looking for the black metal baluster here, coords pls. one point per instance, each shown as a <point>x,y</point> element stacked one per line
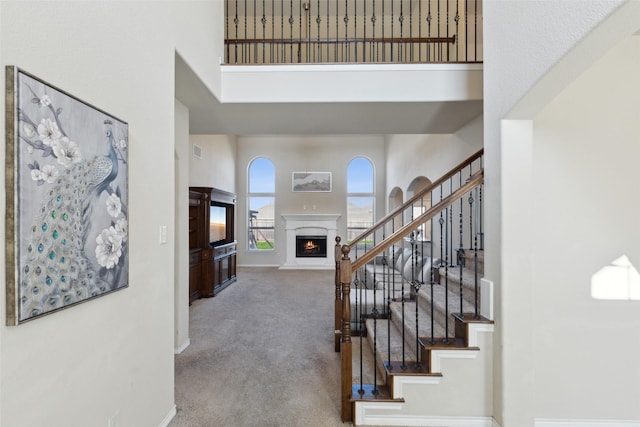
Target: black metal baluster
<point>475,30</point>
<point>328,31</point>
<point>355,32</point>
<point>441,221</point>
<point>439,34</point>
<point>471,211</point>
<point>235,21</point>
<point>283,50</point>
<point>345,47</point>
<point>447,27</point>
<point>364,33</point>
<point>264,32</point>
<point>389,289</point>
<point>273,32</point>
<point>429,19</point>
<point>466,30</point>
<point>337,29</point>
<point>420,30</point>
<point>226,28</point>
<point>457,20</point>
<point>254,46</point>
<point>392,32</point>
<point>451,223</point>
<point>404,365</point>
<point>446,280</point>
<point>245,52</point>
<point>300,31</point>
<point>401,43</point>
<point>373,51</point>
<point>384,44</point>
<point>318,21</point>
<point>410,30</point>
<point>461,259</point>
<point>475,262</point>
<point>358,289</point>
<point>291,31</point>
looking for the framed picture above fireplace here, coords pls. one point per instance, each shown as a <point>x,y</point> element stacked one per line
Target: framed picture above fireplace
<point>311,182</point>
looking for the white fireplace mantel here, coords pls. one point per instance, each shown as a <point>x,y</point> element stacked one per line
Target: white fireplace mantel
<point>309,224</point>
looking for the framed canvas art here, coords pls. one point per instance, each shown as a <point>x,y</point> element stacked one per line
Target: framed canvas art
<point>66,197</point>
<point>311,181</point>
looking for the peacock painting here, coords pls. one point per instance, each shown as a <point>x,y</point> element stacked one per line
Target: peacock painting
<point>71,200</point>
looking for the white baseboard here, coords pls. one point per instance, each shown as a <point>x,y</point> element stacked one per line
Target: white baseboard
<point>258,265</point>
<point>541,422</point>
<point>178,350</point>
<point>362,418</point>
<point>172,413</point>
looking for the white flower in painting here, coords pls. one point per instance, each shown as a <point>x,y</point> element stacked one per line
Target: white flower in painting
<point>29,130</point>
<point>113,205</point>
<point>66,151</point>
<point>36,175</point>
<point>45,101</point>
<point>49,173</point>
<point>109,247</point>
<point>122,144</point>
<point>29,149</point>
<point>121,228</point>
<point>49,132</point>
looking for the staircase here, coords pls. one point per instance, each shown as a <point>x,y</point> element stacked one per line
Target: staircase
<point>423,356</point>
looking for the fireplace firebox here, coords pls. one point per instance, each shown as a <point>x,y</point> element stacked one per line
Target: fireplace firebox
<point>311,246</point>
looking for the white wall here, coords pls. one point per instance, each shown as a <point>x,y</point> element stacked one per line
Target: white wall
<point>217,165</point>
<point>110,358</point>
<point>299,154</point>
<point>585,148</point>
<point>517,66</point>
<point>431,156</point>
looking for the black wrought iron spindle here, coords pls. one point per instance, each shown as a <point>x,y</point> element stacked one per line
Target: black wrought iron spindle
<point>461,248</point>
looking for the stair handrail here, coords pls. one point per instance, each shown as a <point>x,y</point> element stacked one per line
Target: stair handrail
<point>383,221</point>
<point>472,182</point>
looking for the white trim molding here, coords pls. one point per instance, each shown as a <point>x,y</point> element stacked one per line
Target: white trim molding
<point>544,422</point>
<point>172,413</point>
<point>363,418</point>
<point>181,348</point>
<point>400,380</point>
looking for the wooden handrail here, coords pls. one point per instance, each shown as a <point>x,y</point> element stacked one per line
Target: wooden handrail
<point>473,181</point>
<point>450,40</point>
<point>418,196</point>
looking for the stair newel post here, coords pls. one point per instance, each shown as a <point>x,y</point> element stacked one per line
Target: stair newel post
<point>338,302</point>
<point>345,350</point>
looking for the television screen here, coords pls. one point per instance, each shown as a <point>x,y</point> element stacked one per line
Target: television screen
<point>217,224</point>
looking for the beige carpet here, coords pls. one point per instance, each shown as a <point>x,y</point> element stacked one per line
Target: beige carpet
<point>261,354</point>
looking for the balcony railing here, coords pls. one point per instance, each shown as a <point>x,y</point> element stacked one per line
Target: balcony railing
<point>353,31</point>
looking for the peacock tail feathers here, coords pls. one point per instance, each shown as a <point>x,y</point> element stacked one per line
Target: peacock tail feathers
<point>56,271</point>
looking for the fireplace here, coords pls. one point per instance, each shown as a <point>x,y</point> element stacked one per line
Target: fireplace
<point>311,246</point>
<point>314,225</point>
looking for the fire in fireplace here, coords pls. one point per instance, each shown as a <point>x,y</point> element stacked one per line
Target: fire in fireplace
<point>311,246</point>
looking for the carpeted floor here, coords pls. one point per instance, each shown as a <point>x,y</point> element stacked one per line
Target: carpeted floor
<point>262,354</point>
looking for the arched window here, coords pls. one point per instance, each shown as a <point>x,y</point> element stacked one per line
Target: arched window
<point>261,204</point>
<point>360,196</point>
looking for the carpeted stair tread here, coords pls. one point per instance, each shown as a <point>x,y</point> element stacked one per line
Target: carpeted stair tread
<point>382,343</point>
<point>440,303</point>
<point>424,322</point>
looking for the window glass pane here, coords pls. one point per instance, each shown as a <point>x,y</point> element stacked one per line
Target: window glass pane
<point>359,215</point>
<point>262,176</point>
<point>360,176</point>
<point>261,223</point>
